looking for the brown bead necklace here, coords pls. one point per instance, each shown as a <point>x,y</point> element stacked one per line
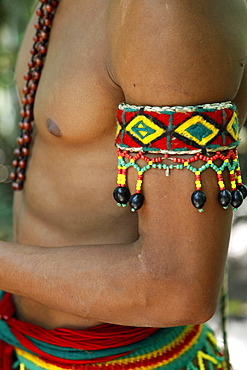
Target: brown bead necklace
<point>38,52</point>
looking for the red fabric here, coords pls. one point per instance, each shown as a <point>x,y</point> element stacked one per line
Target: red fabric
<point>96,338</point>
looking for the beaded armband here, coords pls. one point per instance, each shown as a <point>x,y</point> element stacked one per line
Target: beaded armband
<point>206,132</point>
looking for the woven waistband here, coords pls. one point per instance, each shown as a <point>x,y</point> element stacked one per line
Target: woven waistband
<point>167,349</point>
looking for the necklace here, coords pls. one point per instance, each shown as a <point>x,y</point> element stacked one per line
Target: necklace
<point>45,12</point>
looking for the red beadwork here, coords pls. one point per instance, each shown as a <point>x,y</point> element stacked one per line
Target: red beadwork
<point>37,25</point>
<point>27,76</point>
<point>20,141</point>
<point>49,8</point>
<point>12,176</point>
<point>39,12</point>
<point>21,176</point>
<point>38,52</point>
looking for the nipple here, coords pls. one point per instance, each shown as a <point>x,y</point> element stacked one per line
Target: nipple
<point>53,127</point>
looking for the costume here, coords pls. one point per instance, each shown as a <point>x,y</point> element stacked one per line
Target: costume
<point>206,133</point>
<point>186,347</point>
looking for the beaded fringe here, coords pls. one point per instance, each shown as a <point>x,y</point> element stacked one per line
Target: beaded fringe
<point>229,161</point>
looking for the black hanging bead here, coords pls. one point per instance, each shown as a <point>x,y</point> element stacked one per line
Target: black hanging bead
<point>237,198</point>
<point>136,201</point>
<point>121,195</point>
<point>198,199</point>
<point>243,189</point>
<point>225,197</point>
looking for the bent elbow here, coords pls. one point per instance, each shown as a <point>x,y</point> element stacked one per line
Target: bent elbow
<point>175,305</point>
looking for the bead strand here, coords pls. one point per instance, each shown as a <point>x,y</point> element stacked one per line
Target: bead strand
<point>198,198</point>
<point>35,65</point>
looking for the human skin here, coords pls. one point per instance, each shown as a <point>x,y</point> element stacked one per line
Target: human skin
<point>77,259</point>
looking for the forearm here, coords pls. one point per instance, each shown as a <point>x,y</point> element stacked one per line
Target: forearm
<point>99,282</point>
<point>110,283</point>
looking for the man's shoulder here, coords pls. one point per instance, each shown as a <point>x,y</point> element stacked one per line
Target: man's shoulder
<point>177,47</point>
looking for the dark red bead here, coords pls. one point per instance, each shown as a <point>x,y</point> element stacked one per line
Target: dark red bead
<point>15,163</point>
<point>30,99</point>
<point>33,51</point>
<point>23,113</point>
<point>24,101</point>
<point>25,90</point>
<point>22,163</point>
<point>27,76</point>
<point>33,86</point>
<point>43,49</point>
<point>29,113</point>
<point>12,176</point>
<point>43,35</point>
<point>39,62</point>
<point>17,152</point>
<point>36,75</point>
<point>30,64</point>
<point>20,124</point>
<point>15,186</point>
<point>27,138</point>
<point>38,26</point>
<point>35,38</point>
<point>25,151</point>
<point>39,12</point>
<point>20,141</point>
<point>49,8</point>
<point>21,176</point>
<point>27,126</point>
<point>47,22</point>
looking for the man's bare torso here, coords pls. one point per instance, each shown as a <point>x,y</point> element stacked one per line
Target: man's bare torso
<point>68,192</point>
<point>67,198</point>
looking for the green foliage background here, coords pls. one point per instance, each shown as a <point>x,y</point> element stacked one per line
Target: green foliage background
<point>14,15</point>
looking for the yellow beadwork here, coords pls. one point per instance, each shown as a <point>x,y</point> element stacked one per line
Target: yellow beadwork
<point>37,361</point>
<point>22,367</point>
<point>201,356</point>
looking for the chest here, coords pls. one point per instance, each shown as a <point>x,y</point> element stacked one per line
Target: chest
<point>75,90</point>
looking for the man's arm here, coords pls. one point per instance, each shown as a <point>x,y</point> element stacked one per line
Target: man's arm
<point>172,274</point>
